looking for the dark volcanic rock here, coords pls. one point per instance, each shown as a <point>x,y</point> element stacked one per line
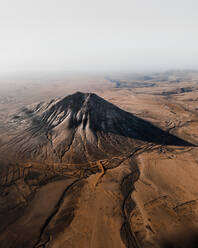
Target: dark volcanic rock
<point>79,128</point>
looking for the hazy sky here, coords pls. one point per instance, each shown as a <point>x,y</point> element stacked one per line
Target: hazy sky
<point>100,35</point>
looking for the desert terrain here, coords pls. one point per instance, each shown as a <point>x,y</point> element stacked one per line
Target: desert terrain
<point>99,161</point>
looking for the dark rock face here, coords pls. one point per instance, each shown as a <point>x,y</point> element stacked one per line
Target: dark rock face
<point>79,128</point>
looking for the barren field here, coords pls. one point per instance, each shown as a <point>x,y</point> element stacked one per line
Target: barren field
<point>117,168</point>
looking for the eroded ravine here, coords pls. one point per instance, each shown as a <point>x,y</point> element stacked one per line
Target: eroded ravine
<point>36,213</point>
<point>40,242</point>
<point>127,187</point>
<point>96,187</point>
<point>106,189</point>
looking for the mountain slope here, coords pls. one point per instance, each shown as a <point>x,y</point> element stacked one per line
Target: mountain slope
<point>79,128</point>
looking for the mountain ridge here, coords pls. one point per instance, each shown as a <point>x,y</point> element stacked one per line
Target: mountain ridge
<point>81,127</point>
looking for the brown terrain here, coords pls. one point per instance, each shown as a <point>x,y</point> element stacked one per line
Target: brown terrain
<point>100,162</point>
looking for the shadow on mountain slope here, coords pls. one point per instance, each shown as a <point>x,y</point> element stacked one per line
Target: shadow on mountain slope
<point>92,111</point>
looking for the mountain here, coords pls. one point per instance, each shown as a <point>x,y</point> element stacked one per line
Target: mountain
<point>79,128</point>
<point>69,169</point>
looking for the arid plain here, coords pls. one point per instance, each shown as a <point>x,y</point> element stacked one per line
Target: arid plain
<point>117,168</point>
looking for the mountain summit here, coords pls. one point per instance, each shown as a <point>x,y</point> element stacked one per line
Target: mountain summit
<point>82,127</point>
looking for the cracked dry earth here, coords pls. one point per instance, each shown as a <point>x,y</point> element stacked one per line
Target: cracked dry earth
<point>80,172</point>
